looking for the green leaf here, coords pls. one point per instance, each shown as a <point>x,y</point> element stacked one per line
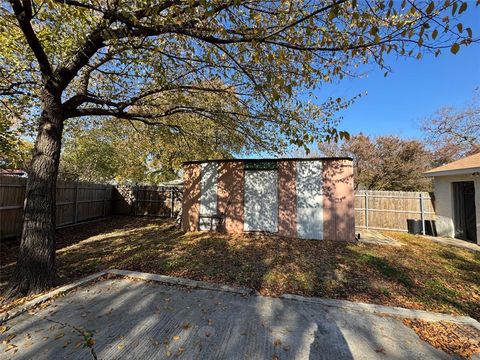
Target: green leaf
<point>459,27</point>
<point>344,135</point>
<point>454,49</point>
<point>463,7</point>
<point>454,8</point>
<point>434,34</point>
<point>430,7</point>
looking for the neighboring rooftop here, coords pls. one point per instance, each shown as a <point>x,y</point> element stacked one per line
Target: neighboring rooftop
<point>466,165</point>
<point>13,172</point>
<point>174,183</point>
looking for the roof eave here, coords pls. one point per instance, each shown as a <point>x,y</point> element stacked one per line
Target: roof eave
<point>452,172</point>
<point>268,160</point>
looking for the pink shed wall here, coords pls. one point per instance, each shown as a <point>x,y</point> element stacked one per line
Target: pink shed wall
<point>191,197</point>
<point>230,185</point>
<point>287,199</point>
<point>338,200</point>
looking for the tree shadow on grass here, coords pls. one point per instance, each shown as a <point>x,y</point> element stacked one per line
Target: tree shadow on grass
<point>272,265</point>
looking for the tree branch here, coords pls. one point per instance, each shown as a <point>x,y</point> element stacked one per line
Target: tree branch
<point>23,13</point>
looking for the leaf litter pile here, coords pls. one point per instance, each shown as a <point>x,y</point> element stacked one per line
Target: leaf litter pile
<point>455,339</point>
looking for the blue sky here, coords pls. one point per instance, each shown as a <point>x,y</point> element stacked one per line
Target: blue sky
<point>397,103</point>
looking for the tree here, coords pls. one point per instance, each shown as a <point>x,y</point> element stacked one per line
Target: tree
<point>64,59</point>
<point>14,151</point>
<point>453,133</point>
<point>116,151</point>
<point>386,163</point>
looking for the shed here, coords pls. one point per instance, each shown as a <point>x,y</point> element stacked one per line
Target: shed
<point>457,198</point>
<point>305,198</point>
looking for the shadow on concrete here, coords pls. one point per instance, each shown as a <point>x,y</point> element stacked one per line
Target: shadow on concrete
<point>143,320</point>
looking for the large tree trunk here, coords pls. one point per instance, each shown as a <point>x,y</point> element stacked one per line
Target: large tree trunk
<point>35,268</point>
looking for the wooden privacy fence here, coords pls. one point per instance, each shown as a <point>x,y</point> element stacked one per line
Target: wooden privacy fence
<point>76,202</point>
<point>160,201</point>
<point>79,202</point>
<point>389,210</point>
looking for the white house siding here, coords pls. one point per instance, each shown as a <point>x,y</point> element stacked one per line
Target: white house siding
<point>261,201</point>
<point>309,200</point>
<point>444,202</point>
<point>208,193</point>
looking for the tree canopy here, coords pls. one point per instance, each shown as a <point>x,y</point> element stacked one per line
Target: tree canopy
<point>112,58</point>
<point>115,151</point>
<point>15,152</point>
<point>453,133</point>
<point>385,162</point>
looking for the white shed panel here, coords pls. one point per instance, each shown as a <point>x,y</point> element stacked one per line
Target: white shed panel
<point>309,200</point>
<point>261,200</point>
<point>208,193</point>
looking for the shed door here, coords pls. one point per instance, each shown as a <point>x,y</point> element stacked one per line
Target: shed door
<point>261,201</point>
<point>309,200</point>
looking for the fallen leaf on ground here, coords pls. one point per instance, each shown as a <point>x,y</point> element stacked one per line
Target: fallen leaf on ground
<point>462,340</point>
<point>10,347</point>
<point>8,338</point>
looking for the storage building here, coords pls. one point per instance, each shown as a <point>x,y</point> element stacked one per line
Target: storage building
<point>457,198</point>
<point>304,198</point>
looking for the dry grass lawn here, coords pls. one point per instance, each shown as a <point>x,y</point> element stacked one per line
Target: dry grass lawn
<point>420,275</point>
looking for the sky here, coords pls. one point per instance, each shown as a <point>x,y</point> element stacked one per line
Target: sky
<point>414,90</point>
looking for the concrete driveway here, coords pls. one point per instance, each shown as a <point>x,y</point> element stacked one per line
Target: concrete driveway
<point>121,318</point>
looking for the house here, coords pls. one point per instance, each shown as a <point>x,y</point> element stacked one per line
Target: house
<point>457,198</point>
<point>304,198</point>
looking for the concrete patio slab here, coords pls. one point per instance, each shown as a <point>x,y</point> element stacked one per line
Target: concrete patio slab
<point>124,318</point>
<point>455,242</point>
<point>375,237</point>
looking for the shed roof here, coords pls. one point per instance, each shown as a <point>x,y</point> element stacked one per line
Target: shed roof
<point>466,165</point>
<point>267,160</point>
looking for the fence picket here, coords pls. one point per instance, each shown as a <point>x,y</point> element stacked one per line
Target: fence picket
<point>389,210</point>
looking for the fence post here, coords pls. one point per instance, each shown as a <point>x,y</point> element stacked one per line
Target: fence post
<point>104,200</point>
<point>171,203</point>
<point>422,215</point>
<point>75,202</point>
<point>366,209</point>
<point>135,199</point>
